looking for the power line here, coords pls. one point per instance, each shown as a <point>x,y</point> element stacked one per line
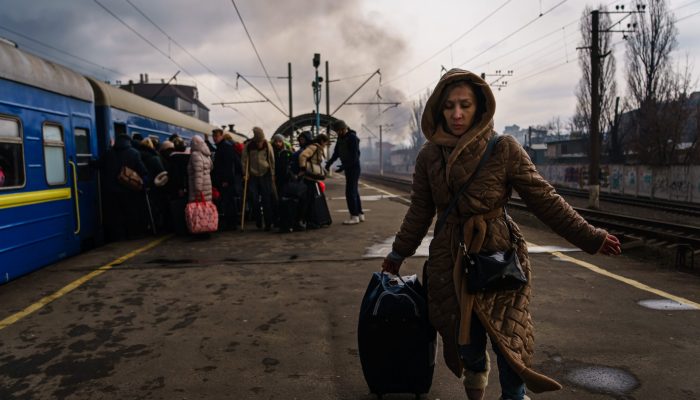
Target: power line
<point>156,48</point>
<point>497,43</point>
<point>516,31</point>
<point>528,44</point>
<point>687,16</point>
<point>59,50</point>
<point>256,52</point>
<point>143,14</point>
<point>420,64</point>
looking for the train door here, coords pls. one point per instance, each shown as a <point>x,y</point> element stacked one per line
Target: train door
<point>84,179</point>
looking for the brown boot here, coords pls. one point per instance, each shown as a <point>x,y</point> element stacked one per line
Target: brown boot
<point>475,382</point>
<point>475,394</point>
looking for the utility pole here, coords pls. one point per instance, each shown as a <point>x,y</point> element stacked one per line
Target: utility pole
<point>289,76</point>
<point>596,58</point>
<point>316,84</point>
<point>594,167</point>
<point>328,92</point>
<point>381,150</point>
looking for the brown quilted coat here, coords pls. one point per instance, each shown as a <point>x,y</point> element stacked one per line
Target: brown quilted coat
<point>441,168</point>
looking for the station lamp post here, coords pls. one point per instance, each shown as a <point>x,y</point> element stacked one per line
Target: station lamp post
<point>316,84</point>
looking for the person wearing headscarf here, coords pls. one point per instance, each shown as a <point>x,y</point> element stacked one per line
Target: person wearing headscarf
<point>458,125</point>
<point>259,169</point>
<point>199,170</point>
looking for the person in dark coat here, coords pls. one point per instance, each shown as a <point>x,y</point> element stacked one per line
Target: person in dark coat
<point>282,159</point>
<point>259,160</point>
<point>136,139</point>
<point>122,205</point>
<point>155,191</point>
<point>151,159</point>
<point>227,166</point>
<point>347,148</point>
<point>304,139</point>
<point>177,186</point>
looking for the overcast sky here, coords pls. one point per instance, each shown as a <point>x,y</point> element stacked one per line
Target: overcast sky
<point>409,41</point>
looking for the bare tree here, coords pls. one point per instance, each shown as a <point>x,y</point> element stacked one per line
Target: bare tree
<point>607,84</point>
<point>417,137</point>
<point>657,92</point>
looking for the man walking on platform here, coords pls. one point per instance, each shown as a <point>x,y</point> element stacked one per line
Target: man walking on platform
<point>348,150</point>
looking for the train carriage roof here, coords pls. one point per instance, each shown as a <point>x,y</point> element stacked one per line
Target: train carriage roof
<point>19,66</point>
<point>106,95</point>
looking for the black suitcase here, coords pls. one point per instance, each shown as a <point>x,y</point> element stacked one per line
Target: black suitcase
<point>319,215</point>
<point>396,342</point>
<point>288,209</point>
<point>177,215</point>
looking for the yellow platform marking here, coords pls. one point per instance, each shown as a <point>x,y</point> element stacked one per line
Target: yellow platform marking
<point>622,279</point>
<point>36,197</point>
<point>76,283</point>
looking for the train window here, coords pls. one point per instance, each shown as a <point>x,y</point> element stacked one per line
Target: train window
<point>54,155</point>
<point>11,154</point>
<point>83,153</point>
<point>82,142</point>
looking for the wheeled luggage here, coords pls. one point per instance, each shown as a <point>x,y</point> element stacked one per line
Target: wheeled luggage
<point>319,214</point>
<point>177,215</point>
<point>288,213</point>
<point>396,342</point>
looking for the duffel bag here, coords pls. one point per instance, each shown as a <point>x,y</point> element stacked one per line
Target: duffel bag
<point>201,216</point>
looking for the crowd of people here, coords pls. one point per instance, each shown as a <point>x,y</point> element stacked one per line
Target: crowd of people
<point>271,182</point>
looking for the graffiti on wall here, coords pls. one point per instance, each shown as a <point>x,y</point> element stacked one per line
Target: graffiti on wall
<point>669,183</point>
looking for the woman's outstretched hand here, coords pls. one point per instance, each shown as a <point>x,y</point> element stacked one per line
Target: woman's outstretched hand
<point>611,246</point>
<point>391,267</point>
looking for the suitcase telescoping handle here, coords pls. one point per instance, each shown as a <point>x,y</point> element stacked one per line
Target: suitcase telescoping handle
<point>384,285</point>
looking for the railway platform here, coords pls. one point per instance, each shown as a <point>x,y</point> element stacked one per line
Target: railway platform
<point>260,315</point>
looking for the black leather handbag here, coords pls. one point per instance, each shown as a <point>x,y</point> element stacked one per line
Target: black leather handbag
<point>487,271</point>
<point>496,270</point>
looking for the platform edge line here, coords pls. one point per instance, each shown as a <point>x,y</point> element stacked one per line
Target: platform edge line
<point>36,306</point>
<point>622,279</point>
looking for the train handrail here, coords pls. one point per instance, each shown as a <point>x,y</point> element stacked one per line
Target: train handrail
<point>75,190</point>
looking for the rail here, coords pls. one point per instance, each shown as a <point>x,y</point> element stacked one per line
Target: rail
<point>661,231</point>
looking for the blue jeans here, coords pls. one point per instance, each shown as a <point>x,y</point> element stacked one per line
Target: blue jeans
<point>474,357</point>
<point>352,192</point>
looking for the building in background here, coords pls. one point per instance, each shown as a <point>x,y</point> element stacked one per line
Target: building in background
<point>182,98</point>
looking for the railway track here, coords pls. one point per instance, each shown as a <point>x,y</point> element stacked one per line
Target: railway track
<point>653,232</point>
<point>662,205</point>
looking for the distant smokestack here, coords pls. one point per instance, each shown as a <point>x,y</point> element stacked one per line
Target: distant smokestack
<point>146,77</point>
<point>140,78</point>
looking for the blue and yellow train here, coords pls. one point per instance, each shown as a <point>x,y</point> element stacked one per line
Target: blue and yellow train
<point>53,123</point>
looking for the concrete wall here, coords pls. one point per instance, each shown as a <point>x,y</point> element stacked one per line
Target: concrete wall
<point>679,183</point>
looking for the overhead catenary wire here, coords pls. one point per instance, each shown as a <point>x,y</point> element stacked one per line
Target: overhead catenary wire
<point>554,7</point>
<point>155,47</point>
<point>257,54</point>
<point>561,64</point>
<point>468,31</point>
<point>170,38</point>
<point>162,52</point>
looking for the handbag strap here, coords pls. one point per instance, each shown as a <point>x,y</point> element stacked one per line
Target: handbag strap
<point>453,202</point>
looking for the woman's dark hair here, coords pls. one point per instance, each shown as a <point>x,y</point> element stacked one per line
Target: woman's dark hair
<point>439,117</point>
<point>322,138</point>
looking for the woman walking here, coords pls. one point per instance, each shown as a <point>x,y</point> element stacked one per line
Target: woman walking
<point>458,125</point>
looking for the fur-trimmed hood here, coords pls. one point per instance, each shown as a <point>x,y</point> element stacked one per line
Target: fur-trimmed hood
<point>480,131</point>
